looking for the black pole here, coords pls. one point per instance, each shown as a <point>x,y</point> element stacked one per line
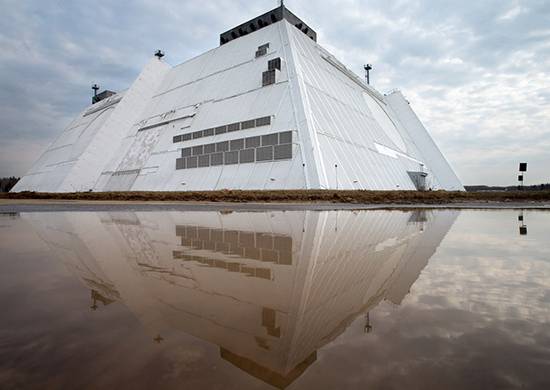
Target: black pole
<point>368,68</point>
<point>95,87</point>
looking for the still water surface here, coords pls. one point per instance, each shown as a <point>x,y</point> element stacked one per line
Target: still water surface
<point>302,300</point>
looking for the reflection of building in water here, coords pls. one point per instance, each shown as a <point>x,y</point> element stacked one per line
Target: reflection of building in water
<point>269,288</point>
<point>522,225</point>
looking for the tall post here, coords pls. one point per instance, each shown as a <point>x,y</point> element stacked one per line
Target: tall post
<point>367,68</point>
<point>95,87</point>
<point>521,176</point>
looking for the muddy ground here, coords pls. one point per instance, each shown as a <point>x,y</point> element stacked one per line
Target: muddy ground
<point>296,196</point>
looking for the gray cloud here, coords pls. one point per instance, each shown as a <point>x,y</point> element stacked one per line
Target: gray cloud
<point>475,72</point>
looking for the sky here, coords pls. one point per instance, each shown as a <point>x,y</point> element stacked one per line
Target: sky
<point>477,73</point>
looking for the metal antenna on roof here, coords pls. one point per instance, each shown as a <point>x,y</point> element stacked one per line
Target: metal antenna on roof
<point>368,68</point>
<point>159,54</point>
<point>95,87</point>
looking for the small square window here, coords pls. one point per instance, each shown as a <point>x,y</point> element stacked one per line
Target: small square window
<point>216,159</point>
<point>270,139</point>
<point>252,142</point>
<point>283,152</point>
<point>180,163</point>
<point>265,121</point>
<point>285,137</point>
<point>197,150</point>
<point>262,51</point>
<point>231,158</point>
<point>204,160</point>
<point>210,148</point>
<point>186,152</point>
<point>234,127</point>
<point>264,153</point>
<point>187,137</point>
<point>197,134</point>
<point>246,156</point>
<point>176,139</point>
<point>236,144</point>
<point>221,130</point>
<point>268,77</point>
<point>248,124</point>
<point>222,146</point>
<point>192,162</point>
<point>208,132</point>
<point>274,64</point>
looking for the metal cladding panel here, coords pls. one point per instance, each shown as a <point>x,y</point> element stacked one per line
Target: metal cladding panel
<point>361,141</point>
<point>122,182</point>
<point>441,169</point>
<point>108,139</point>
<point>52,168</point>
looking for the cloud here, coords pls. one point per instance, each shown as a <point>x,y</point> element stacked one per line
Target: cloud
<point>477,73</point>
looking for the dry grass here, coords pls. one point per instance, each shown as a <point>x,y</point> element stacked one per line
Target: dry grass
<point>367,197</point>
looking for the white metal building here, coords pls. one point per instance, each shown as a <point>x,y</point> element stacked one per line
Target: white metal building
<point>267,109</point>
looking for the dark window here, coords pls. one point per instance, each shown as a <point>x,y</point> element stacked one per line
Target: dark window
<point>285,137</point>
<point>222,146</point>
<point>265,121</point>
<point>186,137</point>
<point>248,124</point>
<point>208,132</point>
<point>234,127</point>
<point>262,50</point>
<point>197,134</point>
<point>197,150</point>
<point>216,159</point>
<point>221,130</point>
<point>186,152</point>
<point>236,144</point>
<point>231,158</point>
<point>274,64</point>
<point>253,142</point>
<point>283,152</point>
<point>204,160</point>
<point>192,162</point>
<point>264,153</point>
<point>176,139</point>
<point>270,139</point>
<point>210,148</point>
<point>268,77</point>
<point>180,163</point>
<point>246,156</point>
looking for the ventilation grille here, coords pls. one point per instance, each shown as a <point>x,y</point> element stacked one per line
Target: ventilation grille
<point>269,147</point>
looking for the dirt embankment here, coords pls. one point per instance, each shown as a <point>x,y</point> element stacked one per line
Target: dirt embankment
<point>372,197</point>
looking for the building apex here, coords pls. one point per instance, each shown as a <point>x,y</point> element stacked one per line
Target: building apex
<point>273,16</point>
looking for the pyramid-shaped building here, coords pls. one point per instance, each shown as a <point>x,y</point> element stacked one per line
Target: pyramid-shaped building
<point>267,109</point>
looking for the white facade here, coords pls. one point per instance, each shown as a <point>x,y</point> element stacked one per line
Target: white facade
<point>320,127</point>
